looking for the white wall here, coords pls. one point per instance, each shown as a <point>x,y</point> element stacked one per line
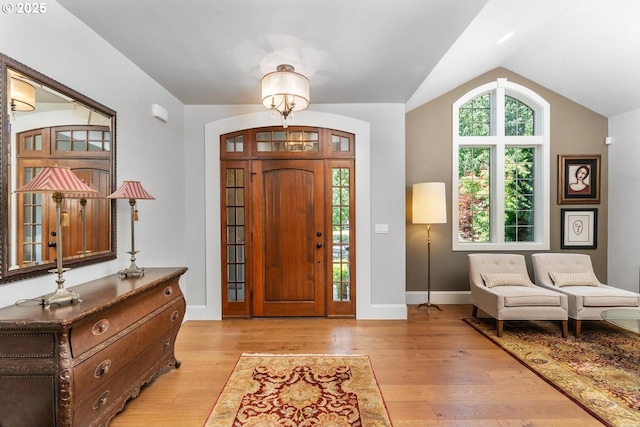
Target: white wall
<point>624,203</point>
<point>60,46</point>
<point>168,158</point>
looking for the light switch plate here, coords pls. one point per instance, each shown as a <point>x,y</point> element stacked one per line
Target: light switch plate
<point>382,228</point>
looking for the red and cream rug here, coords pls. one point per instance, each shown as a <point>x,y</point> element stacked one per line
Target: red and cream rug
<point>300,391</point>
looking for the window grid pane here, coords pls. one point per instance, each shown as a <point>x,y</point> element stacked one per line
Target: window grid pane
<point>339,143</point>
<point>295,141</point>
<point>341,266</point>
<point>235,144</point>
<point>519,118</point>
<point>475,117</point>
<point>473,194</point>
<point>89,139</point>
<point>32,226</point>
<point>519,194</point>
<point>235,244</point>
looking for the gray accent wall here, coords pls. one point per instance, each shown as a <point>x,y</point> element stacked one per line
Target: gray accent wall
<point>574,130</point>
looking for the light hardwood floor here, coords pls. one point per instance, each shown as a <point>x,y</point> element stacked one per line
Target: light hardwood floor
<point>433,371</point>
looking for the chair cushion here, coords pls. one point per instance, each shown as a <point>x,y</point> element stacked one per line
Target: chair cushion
<point>505,279</point>
<point>523,296</point>
<point>574,279</point>
<point>604,296</point>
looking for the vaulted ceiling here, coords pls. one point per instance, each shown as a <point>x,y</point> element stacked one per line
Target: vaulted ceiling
<point>376,51</point>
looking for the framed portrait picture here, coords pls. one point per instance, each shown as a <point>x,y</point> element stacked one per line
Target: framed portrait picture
<point>579,179</point>
<point>579,228</point>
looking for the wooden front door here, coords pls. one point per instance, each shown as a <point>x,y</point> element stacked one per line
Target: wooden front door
<point>288,222</point>
<point>289,243</point>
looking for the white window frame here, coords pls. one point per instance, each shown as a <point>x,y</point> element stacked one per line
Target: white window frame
<point>498,142</point>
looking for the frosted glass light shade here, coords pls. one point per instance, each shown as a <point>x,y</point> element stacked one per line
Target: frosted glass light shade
<point>23,96</point>
<point>285,90</point>
<point>429,203</point>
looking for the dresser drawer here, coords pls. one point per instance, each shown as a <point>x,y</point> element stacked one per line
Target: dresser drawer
<point>31,345</point>
<point>97,329</point>
<point>111,396</point>
<point>107,363</point>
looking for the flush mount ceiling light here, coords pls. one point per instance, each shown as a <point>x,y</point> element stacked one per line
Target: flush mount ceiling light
<point>23,96</point>
<point>285,91</point>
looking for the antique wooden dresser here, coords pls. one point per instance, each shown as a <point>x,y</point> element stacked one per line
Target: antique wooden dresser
<point>76,365</point>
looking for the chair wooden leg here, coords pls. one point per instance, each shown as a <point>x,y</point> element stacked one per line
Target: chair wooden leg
<point>474,311</point>
<point>499,327</point>
<point>565,329</point>
<point>578,325</point>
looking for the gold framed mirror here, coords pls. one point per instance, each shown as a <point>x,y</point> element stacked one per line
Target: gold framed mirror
<point>45,123</point>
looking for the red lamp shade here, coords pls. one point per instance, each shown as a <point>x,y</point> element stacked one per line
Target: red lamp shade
<point>93,195</point>
<point>131,190</point>
<point>56,179</point>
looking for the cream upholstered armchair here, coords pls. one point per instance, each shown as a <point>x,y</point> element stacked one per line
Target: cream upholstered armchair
<point>501,287</point>
<point>572,274</point>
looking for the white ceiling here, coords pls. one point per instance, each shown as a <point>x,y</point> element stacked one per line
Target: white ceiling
<point>376,51</point>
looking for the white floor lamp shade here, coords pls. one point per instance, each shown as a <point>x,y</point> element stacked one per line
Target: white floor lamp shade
<point>429,203</point>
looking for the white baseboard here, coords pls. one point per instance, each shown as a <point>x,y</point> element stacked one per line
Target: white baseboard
<point>385,312</point>
<point>439,297</point>
<point>199,312</point>
<point>375,311</point>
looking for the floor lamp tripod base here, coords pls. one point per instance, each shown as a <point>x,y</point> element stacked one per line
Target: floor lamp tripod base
<point>429,306</point>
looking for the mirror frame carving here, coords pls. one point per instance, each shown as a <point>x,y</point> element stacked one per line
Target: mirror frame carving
<point>7,275</point>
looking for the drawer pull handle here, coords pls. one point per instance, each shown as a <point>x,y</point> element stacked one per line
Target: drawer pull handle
<point>102,368</point>
<point>175,315</point>
<point>100,327</point>
<point>168,291</point>
<point>101,400</point>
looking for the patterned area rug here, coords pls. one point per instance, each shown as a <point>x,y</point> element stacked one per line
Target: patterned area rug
<point>600,370</point>
<point>300,391</point>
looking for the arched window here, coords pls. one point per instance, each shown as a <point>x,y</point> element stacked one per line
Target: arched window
<point>501,169</point>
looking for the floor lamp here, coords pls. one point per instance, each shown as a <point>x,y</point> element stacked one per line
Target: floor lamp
<point>59,182</point>
<point>133,191</point>
<point>429,207</point>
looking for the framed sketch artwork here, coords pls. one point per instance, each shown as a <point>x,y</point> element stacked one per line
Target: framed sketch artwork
<point>579,228</point>
<point>579,179</point>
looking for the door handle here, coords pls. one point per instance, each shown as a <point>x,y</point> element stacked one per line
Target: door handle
<point>318,245</point>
